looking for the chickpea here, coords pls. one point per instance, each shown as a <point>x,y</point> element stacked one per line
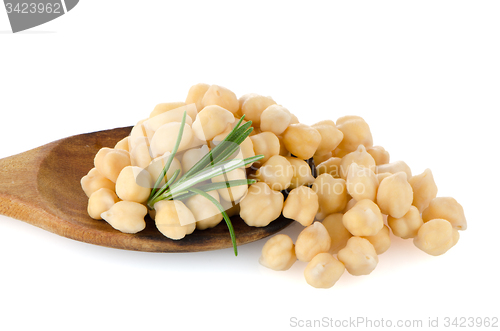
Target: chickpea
<point>382,176</point>
<point>332,195</point>
<point>351,203</point>
<point>356,132</point>
<point>277,172</point>
<point>301,205</point>
<point>100,201</point>
<point>330,136</point>
<point>234,193</point>
<point>275,119</point>
<point>140,156</point>
<point>232,208</point>
<point>323,271</point>
<point>311,241</point>
<point>165,138</point>
<point>361,183</point>
<point>174,115</point>
<point>283,151</point>
<point>359,156</point>
<point>407,226</point>
<point>363,219</point>
<point>109,162</point>
<point>379,154</point>
<point>211,121</point>
<point>253,107</point>
<point>446,208</point>
<point>164,107</point>
<point>278,253</point>
<point>337,231</point>
<point>318,159</point>
<point>267,144</point>
<point>134,184</point>
<point>394,167</point>
<point>302,174</point>
<point>94,181</point>
<point>173,219</point>
<point>395,195</point>
<point>220,96</point>
<point>358,256</point>
<point>424,189</point>
<point>381,241</point>
<point>123,144</point>
<point>330,166</point>
<point>261,205</point>
<point>126,216</point>
<point>195,95</point>
<point>155,168</point>
<point>246,147</point>
<point>206,214</point>
<point>301,140</point>
<point>436,237</point>
<point>242,100</point>
<point>138,134</point>
<point>192,156</point>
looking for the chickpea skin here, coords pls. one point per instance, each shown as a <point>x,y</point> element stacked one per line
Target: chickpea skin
<point>301,205</point>
<point>323,271</point>
<point>311,241</point>
<point>358,256</point>
<point>261,205</point>
<point>448,209</point>
<point>436,237</point>
<point>301,140</point>
<point>278,253</point>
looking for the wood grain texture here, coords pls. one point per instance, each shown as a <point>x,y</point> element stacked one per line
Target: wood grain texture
<point>42,187</point>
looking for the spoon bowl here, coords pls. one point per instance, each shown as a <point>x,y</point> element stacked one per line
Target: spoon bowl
<point>42,187</point>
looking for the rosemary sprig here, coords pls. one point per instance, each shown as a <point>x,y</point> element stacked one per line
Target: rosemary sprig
<point>218,161</point>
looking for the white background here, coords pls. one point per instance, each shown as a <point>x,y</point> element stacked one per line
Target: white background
<point>424,74</point>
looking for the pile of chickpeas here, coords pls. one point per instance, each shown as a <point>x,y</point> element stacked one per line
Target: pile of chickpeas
<point>348,202</point>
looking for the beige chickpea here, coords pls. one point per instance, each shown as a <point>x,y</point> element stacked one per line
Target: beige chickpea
<point>351,203</point>
<point>311,241</point>
<point>330,166</point>
<point>206,214</point>
<point>301,205</point>
<point>261,205</point>
<point>301,140</point>
<point>395,195</point>
<point>382,176</point>
<point>253,107</point>
<point>446,208</point>
<point>109,162</point>
<point>134,184</point>
<point>278,253</point>
<point>164,107</point>
<point>436,237</point>
<point>126,216</point>
<point>234,193</point>
<point>195,95</point>
<point>358,256</point>
<point>283,151</point>
<point>321,158</point>
<point>356,132</point>
<point>173,219</point>
<point>220,96</point>
<point>267,144</point>
<point>174,115</point>
<point>165,138</point>
<point>380,241</point>
<point>323,271</point>
<point>407,226</point>
<point>123,144</point>
<point>363,219</point>
<point>424,189</point>
<point>94,181</point>
<point>359,156</point>
<point>138,134</point>
<point>394,167</point>
<point>332,195</point>
<point>140,156</point>
<point>277,172</point>
<point>232,208</point>
<point>337,231</point>
<point>246,147</point>
<point>241,101</point>
<point>362,183</point>
<point>100,201</point>
<point>330,136</point>
<point>379,154</point>
<point>275,119</point>
<point>155,168</point>
<point>193,156</point>
<point>302,174</point>
<point>212,121</point>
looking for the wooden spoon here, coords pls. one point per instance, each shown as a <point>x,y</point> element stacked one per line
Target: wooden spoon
<point>42,187</point>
